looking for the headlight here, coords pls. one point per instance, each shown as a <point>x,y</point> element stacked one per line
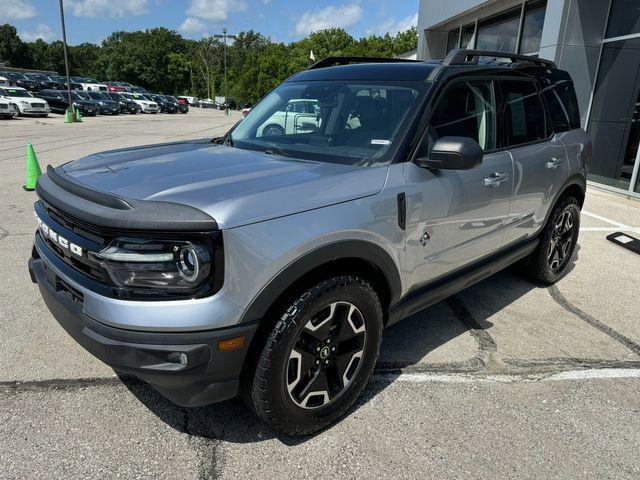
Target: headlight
<point>160,265</point>
<point>24,102</point>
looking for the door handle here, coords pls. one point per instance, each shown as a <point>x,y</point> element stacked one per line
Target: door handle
<point>554,163</point>
<point>496,179</point>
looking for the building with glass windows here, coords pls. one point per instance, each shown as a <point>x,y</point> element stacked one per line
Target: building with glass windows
<point>596,41</point>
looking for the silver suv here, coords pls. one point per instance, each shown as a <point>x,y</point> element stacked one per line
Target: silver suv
<point>267,263</point>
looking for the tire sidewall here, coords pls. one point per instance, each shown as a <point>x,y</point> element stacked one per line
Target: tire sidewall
<point>571,204</point>
<point>368,305</point>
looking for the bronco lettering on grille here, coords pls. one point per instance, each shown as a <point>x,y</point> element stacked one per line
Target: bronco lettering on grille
<point>48,232</point>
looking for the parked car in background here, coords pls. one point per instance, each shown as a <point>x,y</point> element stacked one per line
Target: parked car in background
<point>24,102</point>
<point>63,81</point>
<point>58,101</point>
<point>7,109</point>
<point>298,116</point>
<point>17,79</point>
<point>126,105</point>
<point>107,105</point>
<point>136,89</point>
<point>44,81</point>
<point>4,82</point>
<point>146,105</point>
<point>166,106</point>
<point>115,87</point>
<point>208,103</point>
<point>191,101</point>
<point>90,84</point>
<point>182,107</point>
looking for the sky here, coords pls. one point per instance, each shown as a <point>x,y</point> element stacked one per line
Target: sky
<point>281,20</point>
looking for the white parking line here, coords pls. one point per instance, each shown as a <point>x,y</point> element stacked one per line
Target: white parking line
<point>589,374</point>
<point>609,229</point>
<point>605,219</point>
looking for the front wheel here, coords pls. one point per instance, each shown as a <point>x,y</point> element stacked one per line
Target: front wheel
<point>319,356</point>
<point>550,261</point>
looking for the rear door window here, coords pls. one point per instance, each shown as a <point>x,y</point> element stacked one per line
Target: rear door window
<point>526,119</point>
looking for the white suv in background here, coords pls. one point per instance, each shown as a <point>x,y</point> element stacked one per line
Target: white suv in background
<point>25,103</point>
<point>90,84</point>
<point>299,116</point>
<point>146,106</point>
<point>7,110</point>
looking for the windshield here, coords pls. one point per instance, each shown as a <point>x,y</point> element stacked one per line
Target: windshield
<point>117,96</point>
<point>37,76</point>
<point>99,96</point>
<point>77,95</point>
<point>14,92</point>
<point>358,123</point>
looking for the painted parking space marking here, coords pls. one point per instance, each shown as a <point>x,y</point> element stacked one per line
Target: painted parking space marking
<point>587,374</point>
<point>606,220</point>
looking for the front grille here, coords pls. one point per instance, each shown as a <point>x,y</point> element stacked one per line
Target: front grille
<point>37,105</point>
<point>153,105</point>
<point>84,236</point>
<point>4,107</point>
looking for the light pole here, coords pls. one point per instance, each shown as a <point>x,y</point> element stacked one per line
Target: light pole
<point>224,36</point>
<point>70,113</point>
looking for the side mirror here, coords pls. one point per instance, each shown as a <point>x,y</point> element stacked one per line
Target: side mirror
<point>452,153</point>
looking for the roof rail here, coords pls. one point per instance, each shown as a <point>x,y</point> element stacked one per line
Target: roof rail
<point>335,61</point>
<point>461,56</point>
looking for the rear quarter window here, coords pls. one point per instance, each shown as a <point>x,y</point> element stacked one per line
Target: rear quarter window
<point>563,107</point>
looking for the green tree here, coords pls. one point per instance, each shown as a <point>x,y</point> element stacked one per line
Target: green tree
<point>13,50</point>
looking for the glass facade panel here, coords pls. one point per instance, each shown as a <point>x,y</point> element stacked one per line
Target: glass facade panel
<point>499,33</point>
<point>624,18</point>
<point>532,26</point>
<point>614,124</point>
<point>452,39</point>
<point>468,32</point>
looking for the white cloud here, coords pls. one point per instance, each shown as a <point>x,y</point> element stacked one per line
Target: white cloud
<point>214,10</point>
<point>107,8</point>
<point>16,10</point>
<point>328,17</point>
<point>42,31</point>
<point>192,25</point>
<point>392,26</point>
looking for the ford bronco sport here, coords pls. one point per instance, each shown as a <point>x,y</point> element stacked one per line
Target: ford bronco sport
<point>267,262</point>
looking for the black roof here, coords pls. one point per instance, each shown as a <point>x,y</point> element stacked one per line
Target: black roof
<point>398,71</point>
<point>362,68</point>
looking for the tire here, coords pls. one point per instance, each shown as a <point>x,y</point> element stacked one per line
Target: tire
<point>327,341</point>
<point>272,130</point>
<point>549,261</point>
<point>18,112</point>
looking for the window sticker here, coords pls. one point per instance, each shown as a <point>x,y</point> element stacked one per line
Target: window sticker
<point>380,141</point>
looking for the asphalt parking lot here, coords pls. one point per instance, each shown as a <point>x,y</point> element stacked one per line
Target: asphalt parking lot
<point>504,380</point>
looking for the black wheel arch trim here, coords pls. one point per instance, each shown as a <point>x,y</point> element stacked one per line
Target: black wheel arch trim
<point>362,250</point>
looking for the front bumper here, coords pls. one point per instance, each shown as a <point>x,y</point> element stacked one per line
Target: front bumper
<point>207,376</point>
<point>34,111</point>
<point>109,109</point>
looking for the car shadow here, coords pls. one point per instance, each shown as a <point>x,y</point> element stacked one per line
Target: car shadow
<point>405,346</point>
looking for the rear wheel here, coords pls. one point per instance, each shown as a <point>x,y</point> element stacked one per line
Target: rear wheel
<point>549,262</point>
<point>273,131</point>
<point>319,356</point>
